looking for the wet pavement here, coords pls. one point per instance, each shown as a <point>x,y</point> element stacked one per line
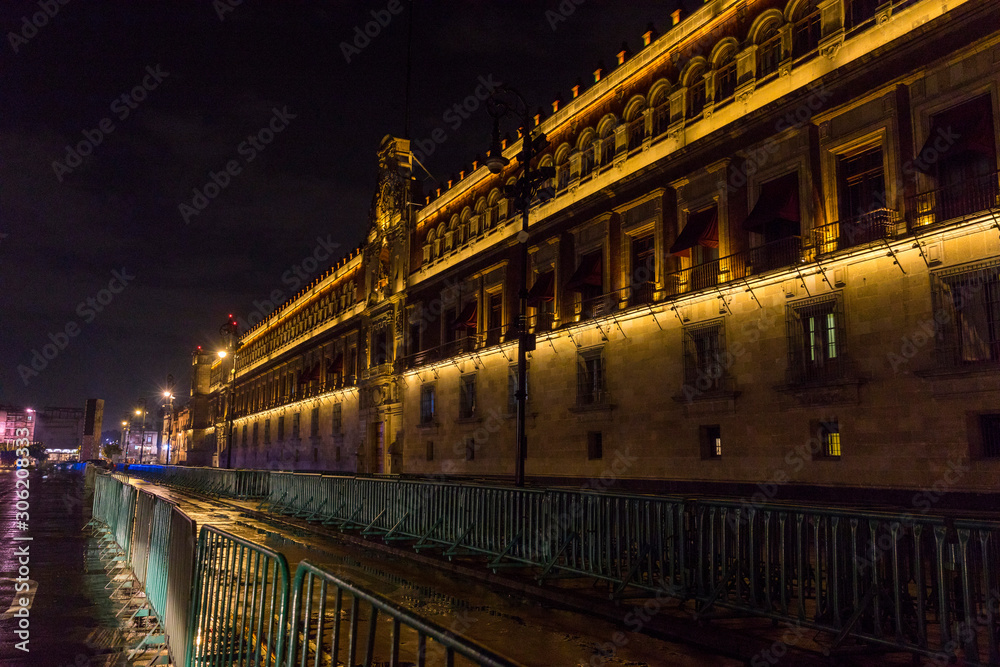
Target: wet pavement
<point>68,613</point>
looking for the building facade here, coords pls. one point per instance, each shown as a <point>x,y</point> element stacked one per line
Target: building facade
<point>768,261</point>
<point>17,423</point>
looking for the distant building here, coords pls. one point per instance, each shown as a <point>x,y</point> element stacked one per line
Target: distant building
<point>90,447</point>
<point>16,423</point>
<point>60,428</point>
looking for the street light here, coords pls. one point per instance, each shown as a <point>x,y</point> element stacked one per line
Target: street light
<point>142,432</point>
<point>230,330</point>
<point>170,428</point>
<point>504,102</point>
<point>123,440</point>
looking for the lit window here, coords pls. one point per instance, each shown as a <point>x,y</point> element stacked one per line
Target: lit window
<point>816,340</point>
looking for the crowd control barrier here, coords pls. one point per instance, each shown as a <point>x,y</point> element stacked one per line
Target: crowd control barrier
<point>240,602</point>
<point>919,583</point>
<point>335,622</point>
<point>153,545</point>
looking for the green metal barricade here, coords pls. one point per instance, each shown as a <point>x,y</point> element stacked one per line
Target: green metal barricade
<point>240,606</point>
<point>336,622</point>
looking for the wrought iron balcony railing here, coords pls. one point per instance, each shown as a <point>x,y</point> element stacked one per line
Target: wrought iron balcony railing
<point>860,230</point>
<point>769,257</point>
<point>953,201</point>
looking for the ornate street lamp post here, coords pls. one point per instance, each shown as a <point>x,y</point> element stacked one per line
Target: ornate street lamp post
<point>230,330</point>
<point>508,102</point>
<point>170,421</point>
<point>142,432</point>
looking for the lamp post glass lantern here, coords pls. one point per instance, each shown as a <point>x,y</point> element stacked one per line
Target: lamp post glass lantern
<point>505,102</point>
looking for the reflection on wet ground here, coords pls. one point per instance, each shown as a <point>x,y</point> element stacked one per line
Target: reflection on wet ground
<point>518,627</point>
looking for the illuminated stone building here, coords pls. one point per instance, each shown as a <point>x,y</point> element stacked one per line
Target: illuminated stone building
<point>16,423</point>
<point>769,256</point>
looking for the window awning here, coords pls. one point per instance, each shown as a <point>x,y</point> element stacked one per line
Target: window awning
<point>967,128</point>
<point>336,365</point>
<point>543,290</point>
<point>778,203</point>
<point>467,318</point>
<point>588,274</point>
<point>702,229</point>
<point>312,374</point>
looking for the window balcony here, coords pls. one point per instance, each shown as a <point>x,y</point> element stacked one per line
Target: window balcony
<point>441,352</point>
<point>870,227</point>
<point>957,200</point>
<point>768,257</point>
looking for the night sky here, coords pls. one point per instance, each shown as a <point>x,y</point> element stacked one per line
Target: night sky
<point>99,260</point>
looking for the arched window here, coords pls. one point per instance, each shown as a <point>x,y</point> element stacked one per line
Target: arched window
<point>859,12</point>
<point>659,101</point>
<point>807,29</point>
<point>636,122</point>
<point>768,51</point>
<point>725,75</point>
<point>492,210</point>
<point>586,148</point>
<point>608,141</point>
<point>562,167</point>
<point>695,93</point>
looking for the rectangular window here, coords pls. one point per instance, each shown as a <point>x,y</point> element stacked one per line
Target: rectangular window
<point>430,450</point>
<point>862,185</point>
<point>961,154</point>
<point>470,449</point>
<point>711,441</point>
<point>244,434</point>
<point>494,319</point>
<point>467,396</point>
<point>816,340</point>
<point>267,431</point>
<point>643,269</point>
<point>295,425</point>
<point>427,407</point>
<point>967,313</point>
<point>595,445</point>
<point>337,418</point>
<point>590,379</point>
<point>828,433</point>
<point>314,423</point>
<point>989,426</point>
<point>704,358</point>
<point>281,428</point>
<point>255,439</point>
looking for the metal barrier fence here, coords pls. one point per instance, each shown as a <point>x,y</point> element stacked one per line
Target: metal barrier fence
<point>239,484</point>
<point>922,584</point>
<point>331,630</point>
<point>152,552</point>
<point>240,602</point>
